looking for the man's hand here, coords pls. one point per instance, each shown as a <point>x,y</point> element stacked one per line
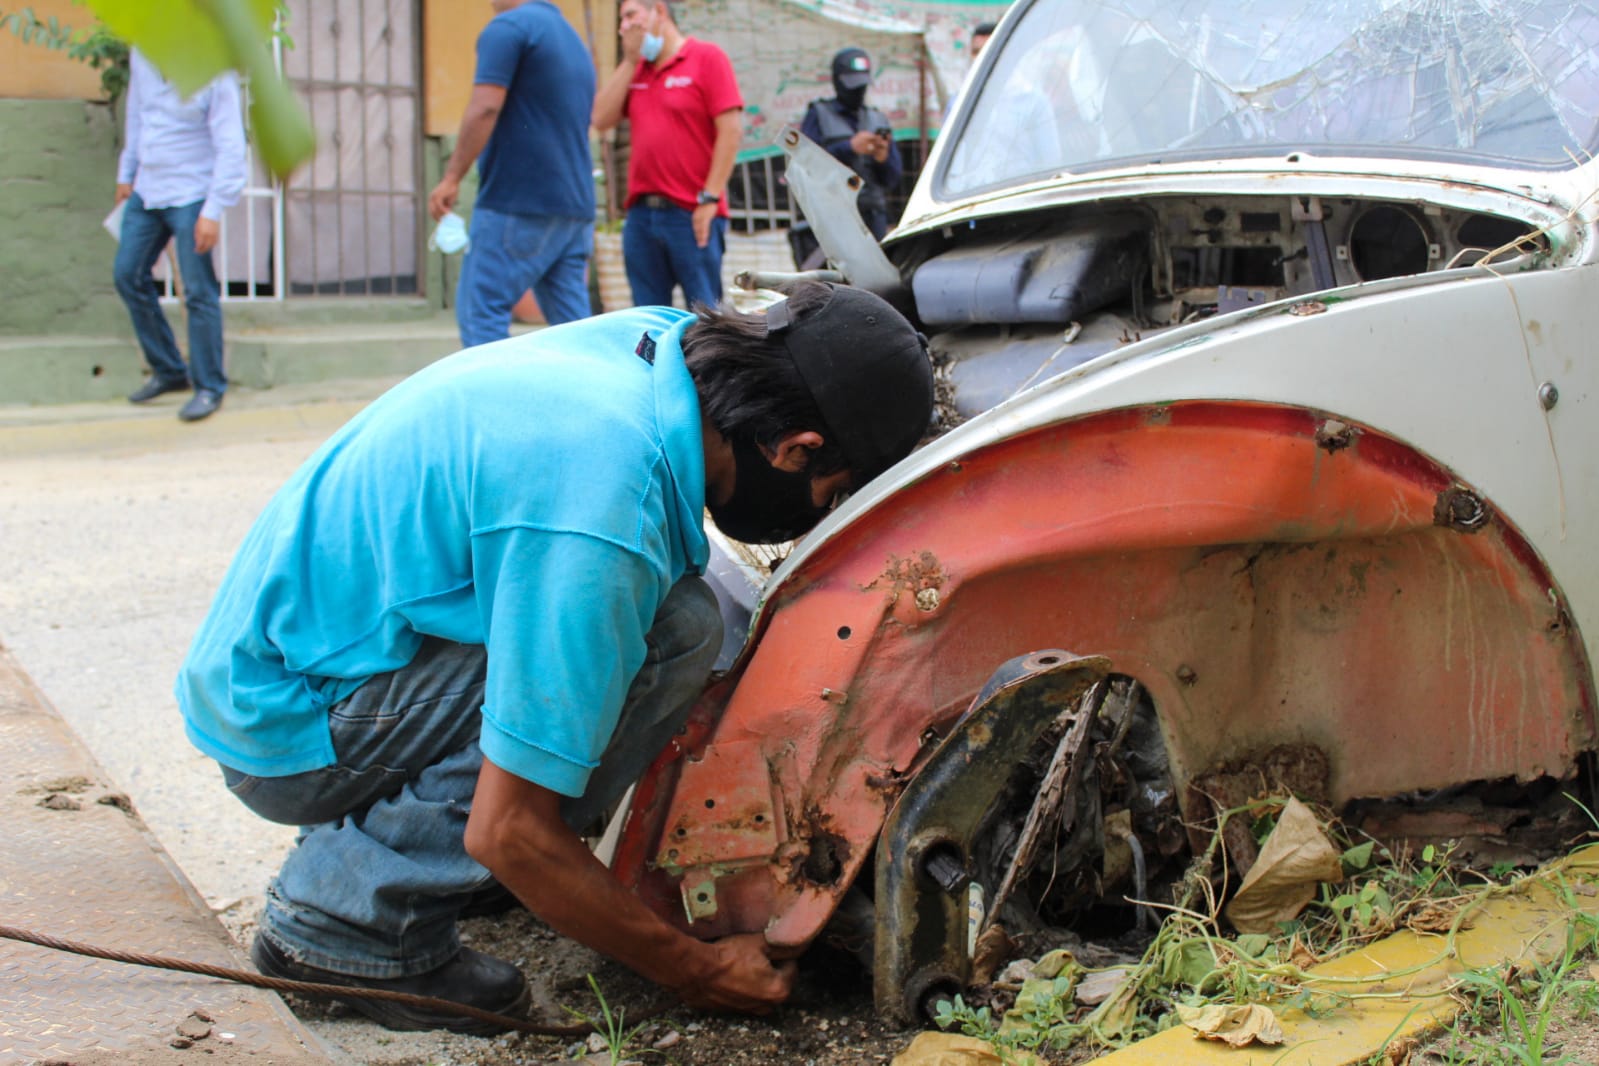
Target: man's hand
<point>632,42</point>
<point>206,232</point>
<point>635,24</point>
<point>442,199</point>
<point>124,190</point>
<point>865,142</point>
<point>704,215</point>
<point>515,829</point>
<point>746,978</point>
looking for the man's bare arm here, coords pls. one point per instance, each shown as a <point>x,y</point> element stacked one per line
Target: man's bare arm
<point>611,99</point>
<point>482,112</point>
<point>516,830</point>
<point>729,132</point>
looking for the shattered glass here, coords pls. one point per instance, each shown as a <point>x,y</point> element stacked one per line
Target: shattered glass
<point>1084,84</point>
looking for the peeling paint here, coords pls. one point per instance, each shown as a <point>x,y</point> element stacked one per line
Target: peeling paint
<point>911,575</point>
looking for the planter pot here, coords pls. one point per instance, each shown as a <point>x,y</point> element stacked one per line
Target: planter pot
<point>610,273</point>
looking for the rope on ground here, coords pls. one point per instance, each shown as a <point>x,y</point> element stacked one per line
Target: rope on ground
<point>278,984</point>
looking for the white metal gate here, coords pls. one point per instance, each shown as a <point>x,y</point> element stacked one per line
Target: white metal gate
<point>349,222</point>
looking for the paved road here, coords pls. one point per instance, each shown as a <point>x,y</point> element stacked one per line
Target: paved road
<point>116,525</point>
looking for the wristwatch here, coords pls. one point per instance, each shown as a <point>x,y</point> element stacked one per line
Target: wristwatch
<point>707,197</point>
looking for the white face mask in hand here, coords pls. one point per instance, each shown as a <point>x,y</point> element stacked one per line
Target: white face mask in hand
<point>450,236</point>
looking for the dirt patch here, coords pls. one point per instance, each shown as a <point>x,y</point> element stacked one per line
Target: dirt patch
<point>829,1021</point>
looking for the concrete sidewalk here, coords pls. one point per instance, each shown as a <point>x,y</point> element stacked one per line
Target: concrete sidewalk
<point>76,862</point>
<point>94,492</point>
<point>247,414</point>
<point>295,347</point>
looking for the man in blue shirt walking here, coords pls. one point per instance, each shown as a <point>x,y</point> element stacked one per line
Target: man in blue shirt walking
<point>182,165</point>
<point>475,616</point>
<point>526,125</point>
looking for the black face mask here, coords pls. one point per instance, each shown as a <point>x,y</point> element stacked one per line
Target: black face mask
<point>851,99</point>
<point>768,505</point>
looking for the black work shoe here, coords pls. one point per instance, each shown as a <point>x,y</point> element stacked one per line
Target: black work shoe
<point>472,978</point>
<point>157,387</point>
<point>203,404</point>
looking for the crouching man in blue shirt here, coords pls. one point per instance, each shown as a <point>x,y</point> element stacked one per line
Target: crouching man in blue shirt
<point>474,617</point>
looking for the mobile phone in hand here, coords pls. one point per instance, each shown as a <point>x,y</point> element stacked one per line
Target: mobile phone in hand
<point>885,132</point>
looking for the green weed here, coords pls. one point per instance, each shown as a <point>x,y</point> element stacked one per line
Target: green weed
<point>621,1043</point>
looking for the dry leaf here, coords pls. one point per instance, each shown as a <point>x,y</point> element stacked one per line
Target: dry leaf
<point>994,946</point>
<point>1236,1026</point>
<point>1301,955</point>
<point>952,1049</point>
<point>1436,918</point>
<point>1293,861</point>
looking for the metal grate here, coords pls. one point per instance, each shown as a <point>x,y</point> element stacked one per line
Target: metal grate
<point>757,196</point>
<point>353,216</point>
<point>757,193</point>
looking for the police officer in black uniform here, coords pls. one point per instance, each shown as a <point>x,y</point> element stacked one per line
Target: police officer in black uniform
<point>858,136</point>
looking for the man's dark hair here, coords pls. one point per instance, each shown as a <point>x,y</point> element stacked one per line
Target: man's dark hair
<point>983,29</point>
<point>749,388</point>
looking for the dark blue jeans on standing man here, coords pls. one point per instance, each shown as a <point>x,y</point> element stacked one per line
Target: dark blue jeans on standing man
<point>145,232</point>
<point>659,250</point>
<point>511,254</point>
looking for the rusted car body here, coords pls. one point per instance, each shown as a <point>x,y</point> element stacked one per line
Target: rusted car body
<point>1279,370</point>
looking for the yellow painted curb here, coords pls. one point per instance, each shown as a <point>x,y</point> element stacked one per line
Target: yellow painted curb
<point>1527,925</point>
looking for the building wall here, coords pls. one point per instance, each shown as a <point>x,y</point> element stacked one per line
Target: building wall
<point>33,72</point>
<point>57,178</point>
<point>449,36</point>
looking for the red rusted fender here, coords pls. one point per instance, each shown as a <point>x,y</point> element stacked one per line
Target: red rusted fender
<point>1270,576</point>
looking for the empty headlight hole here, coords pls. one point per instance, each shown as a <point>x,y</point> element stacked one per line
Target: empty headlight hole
<point>1487,232</point>
<point>1386,242</point>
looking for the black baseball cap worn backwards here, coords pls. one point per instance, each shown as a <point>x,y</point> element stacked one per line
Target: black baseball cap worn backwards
<point>868,371</point>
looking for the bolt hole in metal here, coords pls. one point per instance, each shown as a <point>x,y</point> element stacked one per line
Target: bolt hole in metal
<point>709,804</point>
<point>944,864</point>
<point>941,990</point>
<point>843,632</point>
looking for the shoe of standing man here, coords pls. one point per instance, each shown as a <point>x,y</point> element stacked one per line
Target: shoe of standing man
<point>157,386</point>
<point>203,404</point>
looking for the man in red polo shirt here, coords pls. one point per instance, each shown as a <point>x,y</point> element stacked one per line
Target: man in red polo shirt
<point>684,105</point>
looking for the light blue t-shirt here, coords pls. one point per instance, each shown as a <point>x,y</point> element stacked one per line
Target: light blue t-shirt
<point>539,495</point>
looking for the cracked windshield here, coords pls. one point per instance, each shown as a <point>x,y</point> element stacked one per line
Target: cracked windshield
<point>1084,85</point>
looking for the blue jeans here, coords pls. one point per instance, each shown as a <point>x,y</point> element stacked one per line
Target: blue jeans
<point>511,254</point>
<point>145,232</point>
<point>659,250</point>
<point>380,872</point>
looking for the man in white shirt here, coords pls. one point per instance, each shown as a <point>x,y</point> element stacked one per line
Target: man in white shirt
<point>183,163</point>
